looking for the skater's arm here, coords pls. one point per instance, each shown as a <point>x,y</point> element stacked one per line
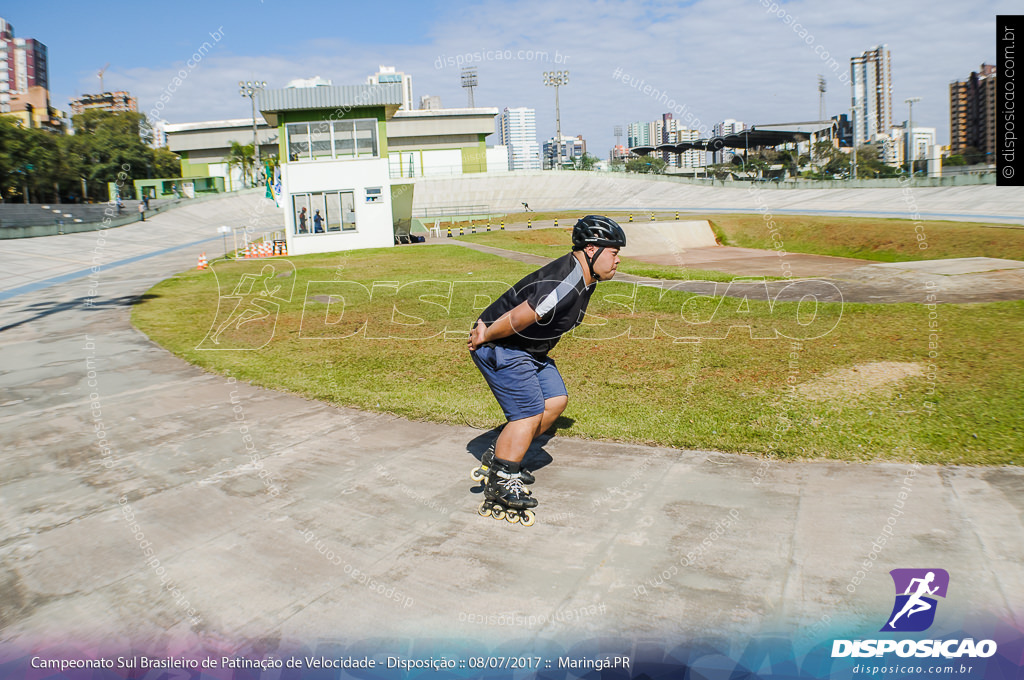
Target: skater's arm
<point>518,319</point>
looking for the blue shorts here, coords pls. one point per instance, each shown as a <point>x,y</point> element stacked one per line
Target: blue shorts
<point>520,382</point>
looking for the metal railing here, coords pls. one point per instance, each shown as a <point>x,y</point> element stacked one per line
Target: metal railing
<point>452,211</point>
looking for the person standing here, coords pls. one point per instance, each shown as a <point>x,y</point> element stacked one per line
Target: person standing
<point>142,211</point>
<point>318,222</point>
<point>510,343</point>
<point>302,221</point>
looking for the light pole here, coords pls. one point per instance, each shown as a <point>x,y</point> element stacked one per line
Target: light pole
<point>556,79</point>
<point>251,90</point>
<point>910,132</point>
<point>469,81</point>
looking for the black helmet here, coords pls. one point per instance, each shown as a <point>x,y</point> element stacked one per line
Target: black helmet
<point>597,230</point>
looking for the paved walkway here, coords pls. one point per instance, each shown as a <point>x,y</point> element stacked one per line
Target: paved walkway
<point>146,502</point>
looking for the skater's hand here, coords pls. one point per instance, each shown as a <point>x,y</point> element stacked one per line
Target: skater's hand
<point>476,336</point>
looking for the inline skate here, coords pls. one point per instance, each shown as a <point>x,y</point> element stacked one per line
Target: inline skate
<point>505,496</point>
<point>479,473</point>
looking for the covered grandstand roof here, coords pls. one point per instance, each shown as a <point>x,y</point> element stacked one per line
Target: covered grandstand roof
<point>757,136</point>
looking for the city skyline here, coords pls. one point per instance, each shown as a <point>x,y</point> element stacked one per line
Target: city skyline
<point>710,61</point>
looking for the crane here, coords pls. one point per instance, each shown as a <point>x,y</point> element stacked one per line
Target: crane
<point>100,75</point>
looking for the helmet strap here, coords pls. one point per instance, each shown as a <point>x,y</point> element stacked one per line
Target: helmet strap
<point>590,262</point>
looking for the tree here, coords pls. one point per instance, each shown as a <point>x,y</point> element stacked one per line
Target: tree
<point>954,160</point>
<point>14,154</point>
<point>787,158</point>
<point>166,163</point>
<point>646,165</point>
<point>752,164</point>
<point>112,148</point>
<point>40,165</point>
<point>584,162</point>
<point>719,170</point>
<point>241,156</point>
<point>870,165</point>
<point>973,156</point>
<point>829,162</point>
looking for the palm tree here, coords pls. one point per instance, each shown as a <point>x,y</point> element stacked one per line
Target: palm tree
<point>241,156</point>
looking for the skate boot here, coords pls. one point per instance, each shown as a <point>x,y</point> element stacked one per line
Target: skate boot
<point>506,498</point>
<point>479,473</point>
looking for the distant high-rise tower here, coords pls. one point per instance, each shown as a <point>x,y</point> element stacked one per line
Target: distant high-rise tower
<point>387,74</point>
<point>518,129</point>
<point>972,112</point>
<point>871,86</point>
<point>729,126</point>
<point>642,134</point>
<point>23,65</point>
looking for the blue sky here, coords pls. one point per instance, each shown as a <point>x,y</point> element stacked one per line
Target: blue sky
<point>712,59</point>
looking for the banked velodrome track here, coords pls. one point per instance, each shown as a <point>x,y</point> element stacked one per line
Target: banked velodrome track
<point>613,191</point>
<point>374,531</point>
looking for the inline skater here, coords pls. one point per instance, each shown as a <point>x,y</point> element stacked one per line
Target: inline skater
<point>510,343</point>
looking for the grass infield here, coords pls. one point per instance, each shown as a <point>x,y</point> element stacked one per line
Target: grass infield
<point>385,330</point>
<point>882,240</point>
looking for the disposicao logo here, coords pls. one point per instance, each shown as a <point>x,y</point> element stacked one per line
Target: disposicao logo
<point>913,612</point>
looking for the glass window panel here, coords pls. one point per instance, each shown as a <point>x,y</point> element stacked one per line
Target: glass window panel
<point>320,140</point>
<point>298,141</point>
<point>300,204</point>
<point>366,137</point>
<point>333,211</point>
<point>344,142</point>
<point>318,206</point>
<point>348,211</point>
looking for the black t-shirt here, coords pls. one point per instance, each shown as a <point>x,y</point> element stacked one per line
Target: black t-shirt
<point>557,292</point>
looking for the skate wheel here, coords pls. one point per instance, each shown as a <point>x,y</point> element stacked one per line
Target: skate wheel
<point>528,519</point>
<point>498,513</point>
<point>478,475</point>
<point>512,516</point>
<point>484,511</point>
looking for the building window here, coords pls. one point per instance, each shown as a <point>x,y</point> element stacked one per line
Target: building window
<point>320,140</point>
<point>332,140</point>
<point>298,141</point>
<point>324,212</point>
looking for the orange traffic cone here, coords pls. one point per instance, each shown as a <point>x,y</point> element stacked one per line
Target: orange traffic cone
<point>202,262</point>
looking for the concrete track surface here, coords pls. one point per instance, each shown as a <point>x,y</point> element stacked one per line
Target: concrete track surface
<point>148,504</point>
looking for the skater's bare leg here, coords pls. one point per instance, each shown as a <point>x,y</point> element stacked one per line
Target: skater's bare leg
<point>517,435</point>
<point>553,408</point>
<point>515,438</point>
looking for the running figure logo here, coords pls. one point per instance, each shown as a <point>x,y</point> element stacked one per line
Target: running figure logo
<point>247,315</point>
<point>914,610</point>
